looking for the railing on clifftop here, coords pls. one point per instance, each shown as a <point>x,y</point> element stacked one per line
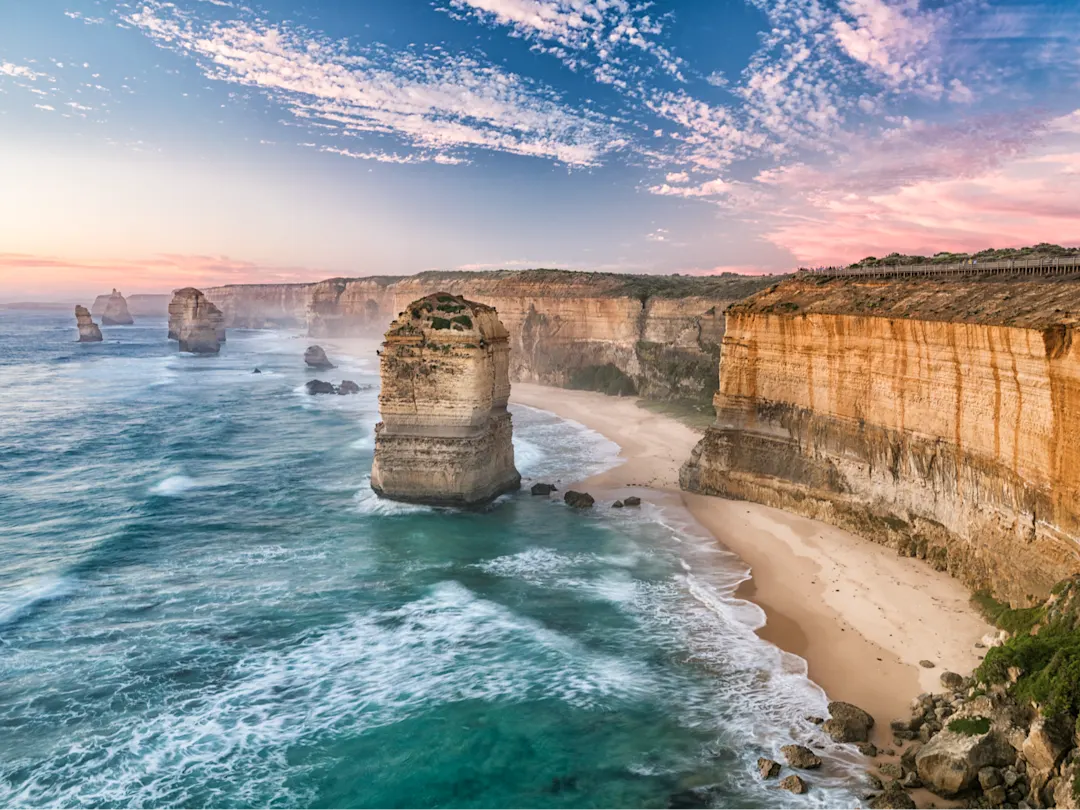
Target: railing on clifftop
<point>971,267</point>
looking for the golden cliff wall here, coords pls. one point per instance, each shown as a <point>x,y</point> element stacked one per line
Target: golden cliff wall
<point>958,442</point>
<point>663,333</point>
<point>445,435</point>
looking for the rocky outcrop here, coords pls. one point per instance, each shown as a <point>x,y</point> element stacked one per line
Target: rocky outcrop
<point>578,500</point>
<point>196,323</point>
<point>656,335</point>
<point>799,756</point>
<point>323,387</point>
<point>315,357</point>
<point>138,306</point>
<point>445,434</point>
<point>89,332</point>
<point>848,723</point>
<point>941,417</point>
<point>113,309</point>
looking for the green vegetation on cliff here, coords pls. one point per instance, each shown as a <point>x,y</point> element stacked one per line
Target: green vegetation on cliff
<point>608,379</point>
<point>1042,658</point>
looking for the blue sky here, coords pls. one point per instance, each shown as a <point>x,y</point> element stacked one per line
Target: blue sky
<point>211,141</point>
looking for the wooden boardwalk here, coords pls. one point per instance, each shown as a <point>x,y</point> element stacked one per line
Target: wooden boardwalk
<point>1012,267</point>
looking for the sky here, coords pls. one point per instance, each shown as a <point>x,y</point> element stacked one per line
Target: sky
<point>149,145</point>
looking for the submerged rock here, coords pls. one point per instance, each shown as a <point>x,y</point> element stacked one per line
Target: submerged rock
<point>543,489</point>
<point>115,310</point>
<point>89,332</point>
<point>579,500</point>
<point>257,371</point>
<point>195,322</point>
<point>315,357</point>
<point>446,435</point>
<point>617,505</point>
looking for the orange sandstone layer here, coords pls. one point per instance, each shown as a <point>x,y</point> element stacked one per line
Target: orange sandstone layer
<point>956,441</point>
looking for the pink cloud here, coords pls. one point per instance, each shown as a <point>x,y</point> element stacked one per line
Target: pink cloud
<point>25,276</point>
<point>923,191</point>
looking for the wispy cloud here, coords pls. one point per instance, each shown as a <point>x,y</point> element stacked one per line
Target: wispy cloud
<point>432,100</point>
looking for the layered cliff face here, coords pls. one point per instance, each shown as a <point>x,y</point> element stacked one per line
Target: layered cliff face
<point>195,322</point>
<point>263,306</point>
<point>89,332</point>
<point>445,435</point>
<point>939,417</point>
<point>662,333</point>
<point>112,309</point>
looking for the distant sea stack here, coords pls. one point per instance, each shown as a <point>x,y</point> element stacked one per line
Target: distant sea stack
<point>445,435</point>
<point>88,330</point>
<point>315,357</point>
<point>196,323</point>
<point>113,310</point>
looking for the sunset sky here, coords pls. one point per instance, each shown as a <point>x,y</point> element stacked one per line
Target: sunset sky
<point>148,145</point>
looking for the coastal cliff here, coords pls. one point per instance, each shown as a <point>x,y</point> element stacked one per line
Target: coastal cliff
<point>195,322</point>
<point>654,335</point>
<point>937,416</point>
<point>445,434</point>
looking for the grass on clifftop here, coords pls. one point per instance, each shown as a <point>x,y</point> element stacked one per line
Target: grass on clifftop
<point>1042,250</point>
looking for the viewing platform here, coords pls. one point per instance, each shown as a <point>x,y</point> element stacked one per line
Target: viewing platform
<point>1027,267</point>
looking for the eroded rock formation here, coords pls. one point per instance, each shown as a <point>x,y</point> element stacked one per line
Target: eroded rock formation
<point>941,417</point>
<point>195,322</point>
<point>658,335</point>
<point>88,330</point>
<point>113,309</point>
<point>445,434</point>
<point>315,357</point>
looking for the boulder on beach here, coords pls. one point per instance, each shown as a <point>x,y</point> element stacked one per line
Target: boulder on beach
<point>894,798</point>
<point>951,761</point>
<point>315,357</point>
<point>89,332</point>
<point>799,756</point>
<point>579,500</point>
<point>633,500</point>
<point>848,723</point>
<point>543,489</point>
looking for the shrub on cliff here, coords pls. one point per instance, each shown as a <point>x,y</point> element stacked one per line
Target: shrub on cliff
<point>1043,655</point>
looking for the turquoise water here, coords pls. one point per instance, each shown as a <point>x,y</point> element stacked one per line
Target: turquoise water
<point>202,604</point>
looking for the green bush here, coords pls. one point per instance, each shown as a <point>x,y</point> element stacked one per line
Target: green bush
<point>1014,620</point>
<point>440,323</point>
<point>1049,665</point>
<point>970,726</point>
<point>464,320</point>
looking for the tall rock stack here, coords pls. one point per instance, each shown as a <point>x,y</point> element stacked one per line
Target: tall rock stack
<point>88,330</point>
<point>445,435</point>
<point>114,311</point>
<point>196,323</point>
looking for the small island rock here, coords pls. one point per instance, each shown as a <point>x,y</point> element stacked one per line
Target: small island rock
<point>543,489</point>
<point>768,768</point>
<point>115,310</point>
<point>89,332</point>
<point>348,387</point>
<point>315,357</point>
<point>633,500</point>
<point>320,387</point>
<point>195,322</point>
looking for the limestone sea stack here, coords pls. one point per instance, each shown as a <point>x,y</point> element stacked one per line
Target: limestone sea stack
<point>195,322</point>
<point>445,435</point>
<point>315,357</point>
<point>88,330</point>
<point>115,310</point>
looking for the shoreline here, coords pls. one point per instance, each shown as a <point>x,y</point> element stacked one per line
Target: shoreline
<point>860,616</point>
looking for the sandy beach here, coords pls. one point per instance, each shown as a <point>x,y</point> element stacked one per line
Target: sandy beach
<point>862,617</point>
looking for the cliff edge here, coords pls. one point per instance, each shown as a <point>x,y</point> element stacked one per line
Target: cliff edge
<point>937,416</point>
<point>445,434</point>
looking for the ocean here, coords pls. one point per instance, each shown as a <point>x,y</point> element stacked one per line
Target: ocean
<point>202,604</point>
